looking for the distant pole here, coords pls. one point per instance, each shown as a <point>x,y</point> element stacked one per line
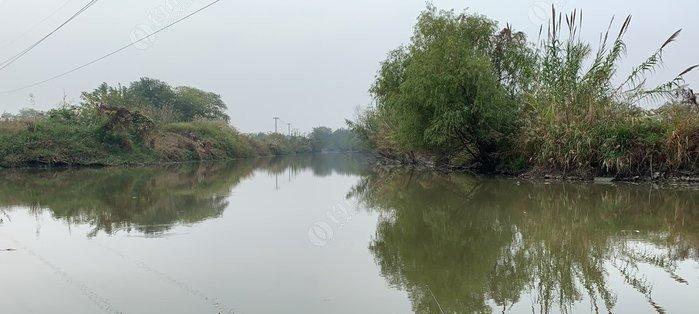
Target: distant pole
<point>276,119</point>
<point>289,126</point>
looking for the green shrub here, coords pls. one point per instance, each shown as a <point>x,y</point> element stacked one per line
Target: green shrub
<point>221,135</point>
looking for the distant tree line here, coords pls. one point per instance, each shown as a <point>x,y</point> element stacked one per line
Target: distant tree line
<point>340,140</point>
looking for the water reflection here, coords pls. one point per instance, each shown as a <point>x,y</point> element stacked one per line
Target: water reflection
<point>459,244</point>
<point>150,200</point>
<point>452,243</point>
<point>322,165</point>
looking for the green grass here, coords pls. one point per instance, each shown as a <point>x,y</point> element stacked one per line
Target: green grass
<point>221,135</point>
<point>45,142</point>
<point>48,141</point>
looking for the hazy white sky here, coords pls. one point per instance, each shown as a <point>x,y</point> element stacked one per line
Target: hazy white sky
<point>309,62</point>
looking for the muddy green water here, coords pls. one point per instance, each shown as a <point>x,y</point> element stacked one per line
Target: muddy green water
<point>331,234</point>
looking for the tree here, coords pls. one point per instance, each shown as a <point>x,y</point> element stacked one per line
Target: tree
<point>107,95</point>
<point>153,93</point>
<point>321,138</point>
<point>195,103</point>
<point>441,93</point>
<point>160,101</point>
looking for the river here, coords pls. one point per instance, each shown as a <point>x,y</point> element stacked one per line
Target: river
<point>334,234</point>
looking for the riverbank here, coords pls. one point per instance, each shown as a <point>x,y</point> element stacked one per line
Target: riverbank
<point>467,95</point>
<point>678,179</point>
<point>146,122</point>
<point>43,144</point>
<point>128,138</point>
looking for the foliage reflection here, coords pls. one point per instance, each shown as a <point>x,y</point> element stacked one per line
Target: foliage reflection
<point>460,244</point>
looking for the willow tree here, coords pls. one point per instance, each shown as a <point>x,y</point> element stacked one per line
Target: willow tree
<point>442,94</point>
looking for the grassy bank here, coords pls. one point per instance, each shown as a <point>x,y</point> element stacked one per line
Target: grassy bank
<point>56,142</point>
<point>466,94</point>
<point>145,122</point>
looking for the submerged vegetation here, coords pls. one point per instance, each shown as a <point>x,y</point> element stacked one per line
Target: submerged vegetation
<point>464,95</point>
<point>146,122</point>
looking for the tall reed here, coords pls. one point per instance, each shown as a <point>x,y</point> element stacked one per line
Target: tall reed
<point>578,120</point>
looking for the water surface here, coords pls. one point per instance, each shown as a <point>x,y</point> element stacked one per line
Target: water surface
<point>332,234</point>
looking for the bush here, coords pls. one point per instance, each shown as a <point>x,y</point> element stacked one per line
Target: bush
<point>219,135</point>
<point>641,143</point>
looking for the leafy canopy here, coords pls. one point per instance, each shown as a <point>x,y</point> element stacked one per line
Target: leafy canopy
<point>160,101</point>
<point>441,92</point>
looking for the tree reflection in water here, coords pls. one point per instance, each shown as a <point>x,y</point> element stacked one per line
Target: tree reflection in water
<point>149,200</point>
<point>458,244</point>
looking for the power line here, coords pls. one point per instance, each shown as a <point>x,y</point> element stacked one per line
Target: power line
<point>33,27</point>
<point>12,60</point>
<point>113,52</point>
<point>26,50</point>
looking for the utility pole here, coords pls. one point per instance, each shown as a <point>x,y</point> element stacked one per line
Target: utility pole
<point>276,119</point>
<point>289,126</point>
